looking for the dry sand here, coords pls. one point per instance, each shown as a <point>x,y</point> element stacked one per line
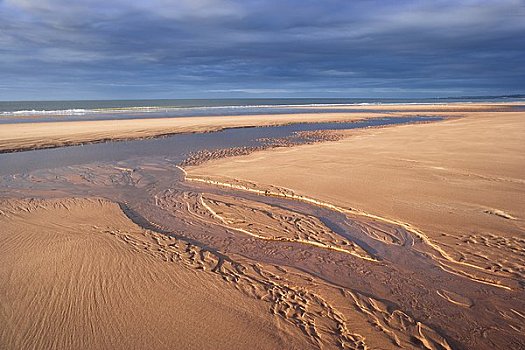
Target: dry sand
<point>78,274</point>
<point>24,136</point>
<point>460,183</point>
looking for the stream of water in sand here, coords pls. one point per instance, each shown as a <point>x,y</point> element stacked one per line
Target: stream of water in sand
<point>176,147</point>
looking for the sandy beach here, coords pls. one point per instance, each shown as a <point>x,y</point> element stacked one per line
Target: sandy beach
<point>401,236</point>
<point>77,273</point>
<point>459,181</point>
<point>262,175</point>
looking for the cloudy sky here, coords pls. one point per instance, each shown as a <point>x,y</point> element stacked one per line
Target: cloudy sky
<point>64,49</point>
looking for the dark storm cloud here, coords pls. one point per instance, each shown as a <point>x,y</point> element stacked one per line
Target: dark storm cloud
<point>210,48</point>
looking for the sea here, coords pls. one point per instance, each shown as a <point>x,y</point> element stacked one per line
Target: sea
<point>46,111</point>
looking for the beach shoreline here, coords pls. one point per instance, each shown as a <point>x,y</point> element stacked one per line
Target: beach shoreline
<point>30,136</point>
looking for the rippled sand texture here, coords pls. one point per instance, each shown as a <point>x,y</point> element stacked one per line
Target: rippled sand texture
<point>78,274</point>
<point>460,182</point>
<point>272,223</point>
<point>456,186</point>
<point>311,284</point>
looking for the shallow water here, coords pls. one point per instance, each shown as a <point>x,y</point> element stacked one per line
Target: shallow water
<point>175,147</point>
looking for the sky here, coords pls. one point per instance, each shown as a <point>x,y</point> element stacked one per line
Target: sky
<point>124,49</point>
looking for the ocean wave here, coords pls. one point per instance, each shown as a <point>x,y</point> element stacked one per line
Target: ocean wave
<point>33,112</point>
<point>131,110</point>
<point>167,109</point>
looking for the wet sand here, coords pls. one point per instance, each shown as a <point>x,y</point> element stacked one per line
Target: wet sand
<point>77,273</point>
<point>353,243</point>
<point>457,185</point>
<point>459,182</point>
<point>308,271</point>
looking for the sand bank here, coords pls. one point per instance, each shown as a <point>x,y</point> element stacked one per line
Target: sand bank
<point>458,182</point>
<point>26,136</point>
